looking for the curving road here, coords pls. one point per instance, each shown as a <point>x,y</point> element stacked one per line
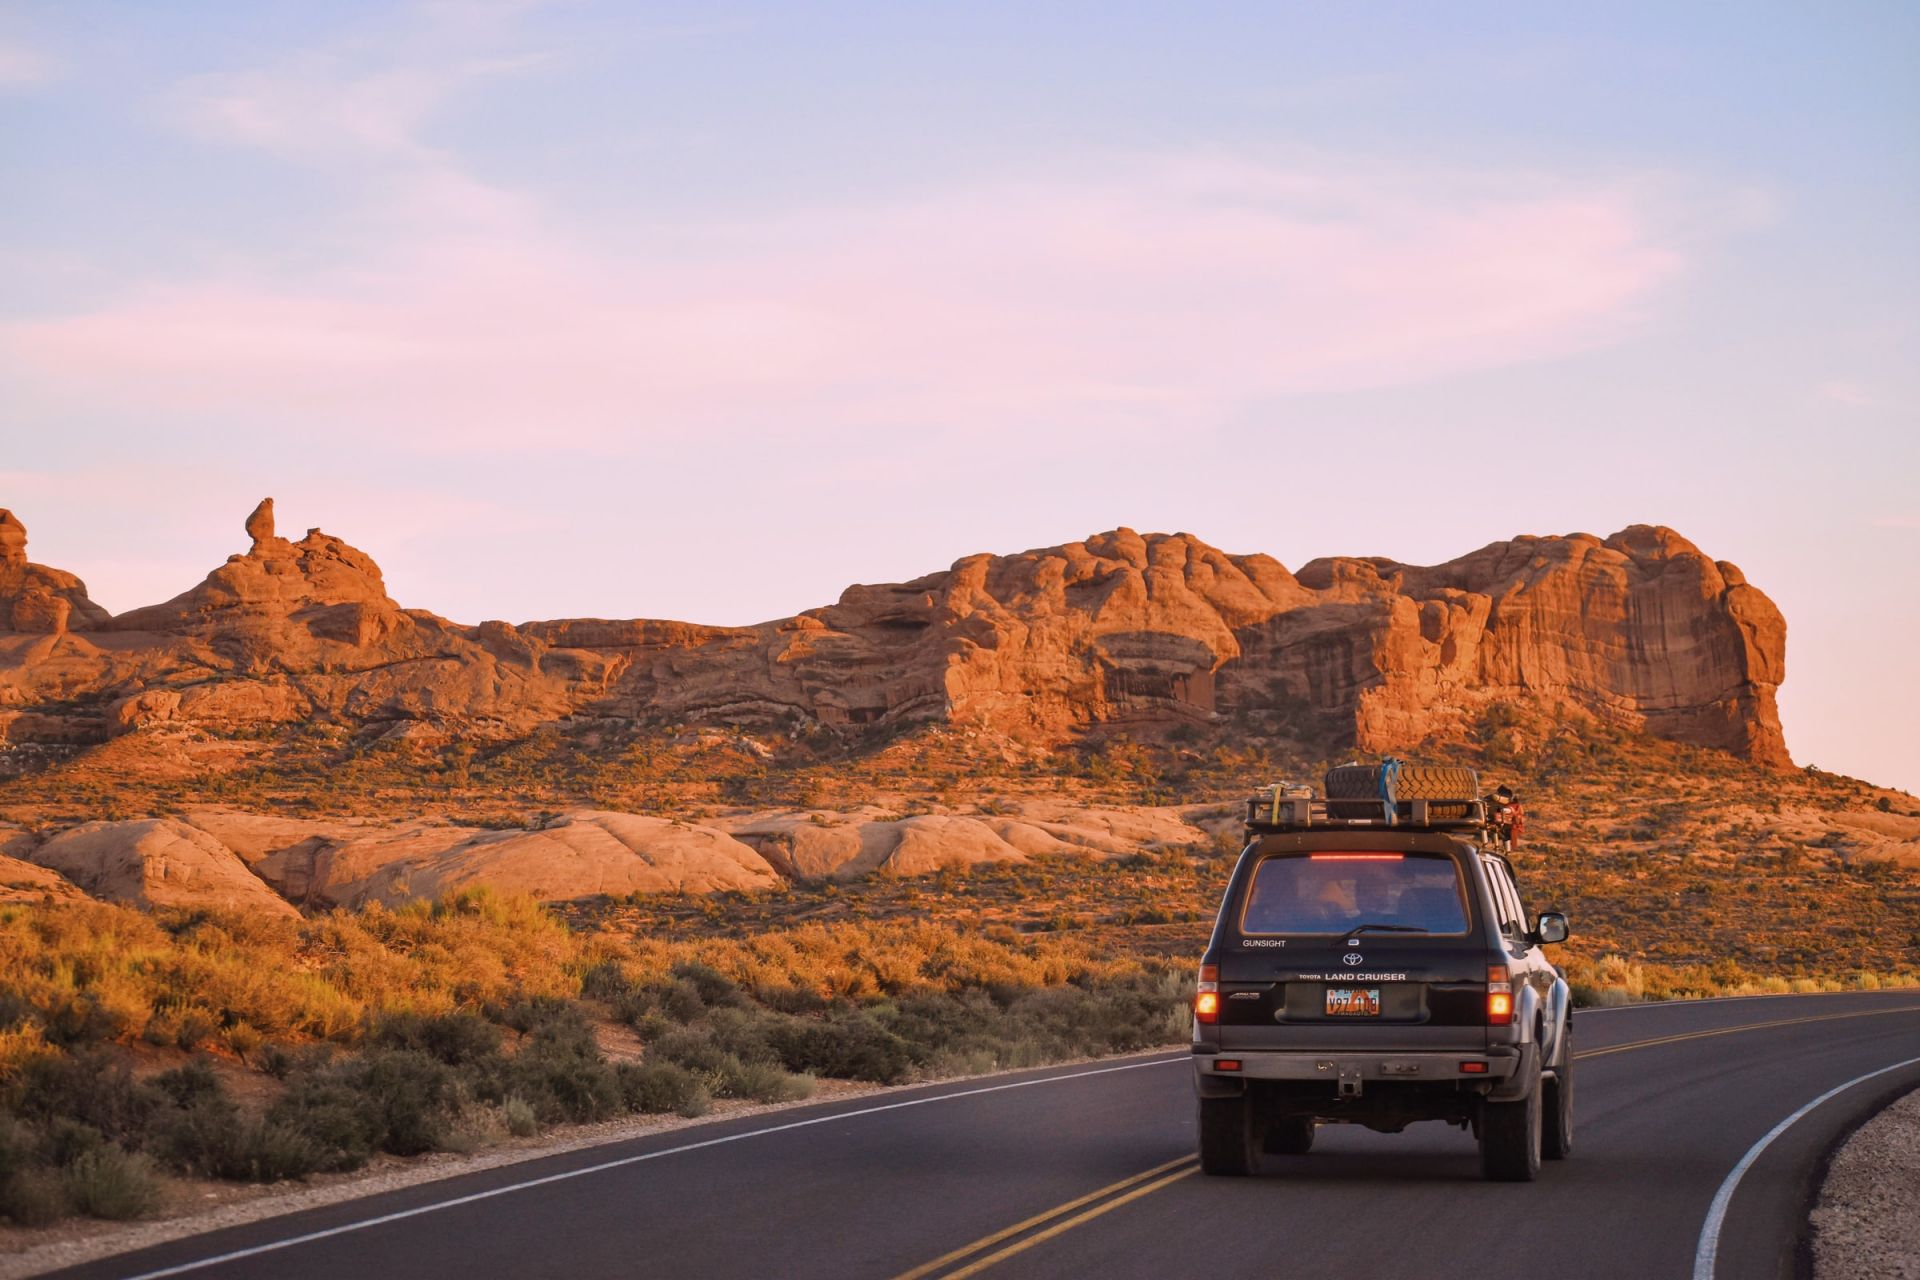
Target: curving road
<point>1088,1171</point>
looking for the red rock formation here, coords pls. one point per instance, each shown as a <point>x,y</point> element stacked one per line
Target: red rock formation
<point>34,598</point>
<point>1641,629</point>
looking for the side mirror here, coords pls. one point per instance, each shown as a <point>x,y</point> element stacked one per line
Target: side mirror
<point>1551,927</point>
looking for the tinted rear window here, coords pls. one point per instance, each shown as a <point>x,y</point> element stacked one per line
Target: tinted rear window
<point>1335,892</point>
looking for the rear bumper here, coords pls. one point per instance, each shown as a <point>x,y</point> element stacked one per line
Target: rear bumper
<point>1499,1062</point>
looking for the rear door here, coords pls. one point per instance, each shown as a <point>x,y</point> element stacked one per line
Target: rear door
<point>1329,947</point>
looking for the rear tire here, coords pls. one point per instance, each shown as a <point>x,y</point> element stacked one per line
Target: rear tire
<point>1228,1148</point>
<point>1556,1105</point>
<point>1290,1137</point>
<point>1510,1136</point>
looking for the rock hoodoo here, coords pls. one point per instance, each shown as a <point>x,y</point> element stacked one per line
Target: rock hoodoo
<point>13,541</point>
<point>35,599</point>
<point>1640,629</point>
<point>260,525</point>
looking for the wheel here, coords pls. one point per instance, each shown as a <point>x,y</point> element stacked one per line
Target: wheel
<point>1437,782</point>
<point>1403,782</point>
<point>1556,1105</point>
<point>1354,782</point>
<point>1293,1137</point>
<point>1510,1136</point>
<point>1227,1139</point>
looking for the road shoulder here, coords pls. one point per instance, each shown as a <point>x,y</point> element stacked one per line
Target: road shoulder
<point>1866,1221</point>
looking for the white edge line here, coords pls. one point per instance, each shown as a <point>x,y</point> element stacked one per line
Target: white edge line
<point>1707,1252</point>
<point>275,1245</point>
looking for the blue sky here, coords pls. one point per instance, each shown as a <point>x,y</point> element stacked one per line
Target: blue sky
<point>628,310</point>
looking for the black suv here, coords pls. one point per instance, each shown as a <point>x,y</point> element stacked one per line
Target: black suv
<point>1373,964</point>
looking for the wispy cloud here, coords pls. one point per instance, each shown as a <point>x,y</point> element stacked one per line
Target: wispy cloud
<point>1846,392</point>
<point>329,105</point>
<point>1896,522</point>
<point>24,67</point>
<point>1167,287</point>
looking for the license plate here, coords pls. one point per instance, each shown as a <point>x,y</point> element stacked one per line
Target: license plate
<point>1353,1002</point>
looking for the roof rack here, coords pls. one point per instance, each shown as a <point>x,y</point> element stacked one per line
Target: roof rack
<point>1282,809</point>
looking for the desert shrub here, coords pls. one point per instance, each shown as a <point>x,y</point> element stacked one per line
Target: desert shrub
<point>517,1114</point>
<point>763,1082</point>
<point>722,1070</point>
<point>328,1111</point>
<point>669,999</point>
<point>559,1069</point>
<point>206,1133</point>
<point>34,1197</point>
<point>412,1094</point>
<point>108,1182</point>
<point>562,1086</point>
<point>75,1022</point>
<point>276,1060</point>
<point>93,1089</point>
<point>216,1141</point>
<point>663,1087</point>
<point>853,1046</point>
<point>605,981</point>
<point>62,1141</point>
<point>456,1038</point>
<point>714,988</point>
<point>397,1100</point>
<point>541,1015</point>
<point>192,1083</point>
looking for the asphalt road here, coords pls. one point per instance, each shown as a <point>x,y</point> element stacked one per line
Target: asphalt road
<point>1088,1171</point>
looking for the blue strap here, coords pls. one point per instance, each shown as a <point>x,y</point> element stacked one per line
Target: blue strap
<point>1389,775</point>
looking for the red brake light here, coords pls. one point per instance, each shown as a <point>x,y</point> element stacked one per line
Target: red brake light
<point>1226,1064</point>
<point>1499,996</point>
<point>1473,1068</point>
<point>1206,999</point>
<point>1357,857</point>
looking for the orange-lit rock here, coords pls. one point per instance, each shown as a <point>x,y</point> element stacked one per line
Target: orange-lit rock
<point>1641,629</point>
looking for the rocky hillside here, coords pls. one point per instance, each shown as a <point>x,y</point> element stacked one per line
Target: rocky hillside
<point>1640,630</point>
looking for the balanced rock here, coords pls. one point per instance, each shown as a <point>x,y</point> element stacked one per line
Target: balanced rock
<point>260,525</point>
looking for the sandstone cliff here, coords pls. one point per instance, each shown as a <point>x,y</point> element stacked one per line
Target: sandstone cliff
<point>1641,629</point>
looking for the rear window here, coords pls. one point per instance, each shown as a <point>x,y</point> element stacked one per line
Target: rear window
<point>1334,893</point>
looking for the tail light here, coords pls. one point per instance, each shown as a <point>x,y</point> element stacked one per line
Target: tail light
<point>1206,997</point>
<point>1499,996</point>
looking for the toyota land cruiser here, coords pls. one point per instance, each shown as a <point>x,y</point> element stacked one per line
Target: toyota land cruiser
<point>1372,964</point>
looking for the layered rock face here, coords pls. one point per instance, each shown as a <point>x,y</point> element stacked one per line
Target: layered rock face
<point>1641,629</point>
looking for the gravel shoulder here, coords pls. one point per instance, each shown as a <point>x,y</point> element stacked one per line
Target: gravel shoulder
<point>1866,1223</point>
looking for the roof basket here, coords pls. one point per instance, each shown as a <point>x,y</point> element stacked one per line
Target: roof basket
<point>1279,809</point>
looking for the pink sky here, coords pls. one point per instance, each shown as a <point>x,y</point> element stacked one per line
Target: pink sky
<point>561,311</point>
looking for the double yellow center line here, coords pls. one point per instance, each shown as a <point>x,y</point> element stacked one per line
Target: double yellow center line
<point>1174,1170</point>
<point>972,1259</point>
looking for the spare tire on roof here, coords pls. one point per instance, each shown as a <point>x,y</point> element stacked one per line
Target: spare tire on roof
<point>1393,781</point>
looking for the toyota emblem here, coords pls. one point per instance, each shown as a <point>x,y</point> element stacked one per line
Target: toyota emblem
<point>1354,958</point>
